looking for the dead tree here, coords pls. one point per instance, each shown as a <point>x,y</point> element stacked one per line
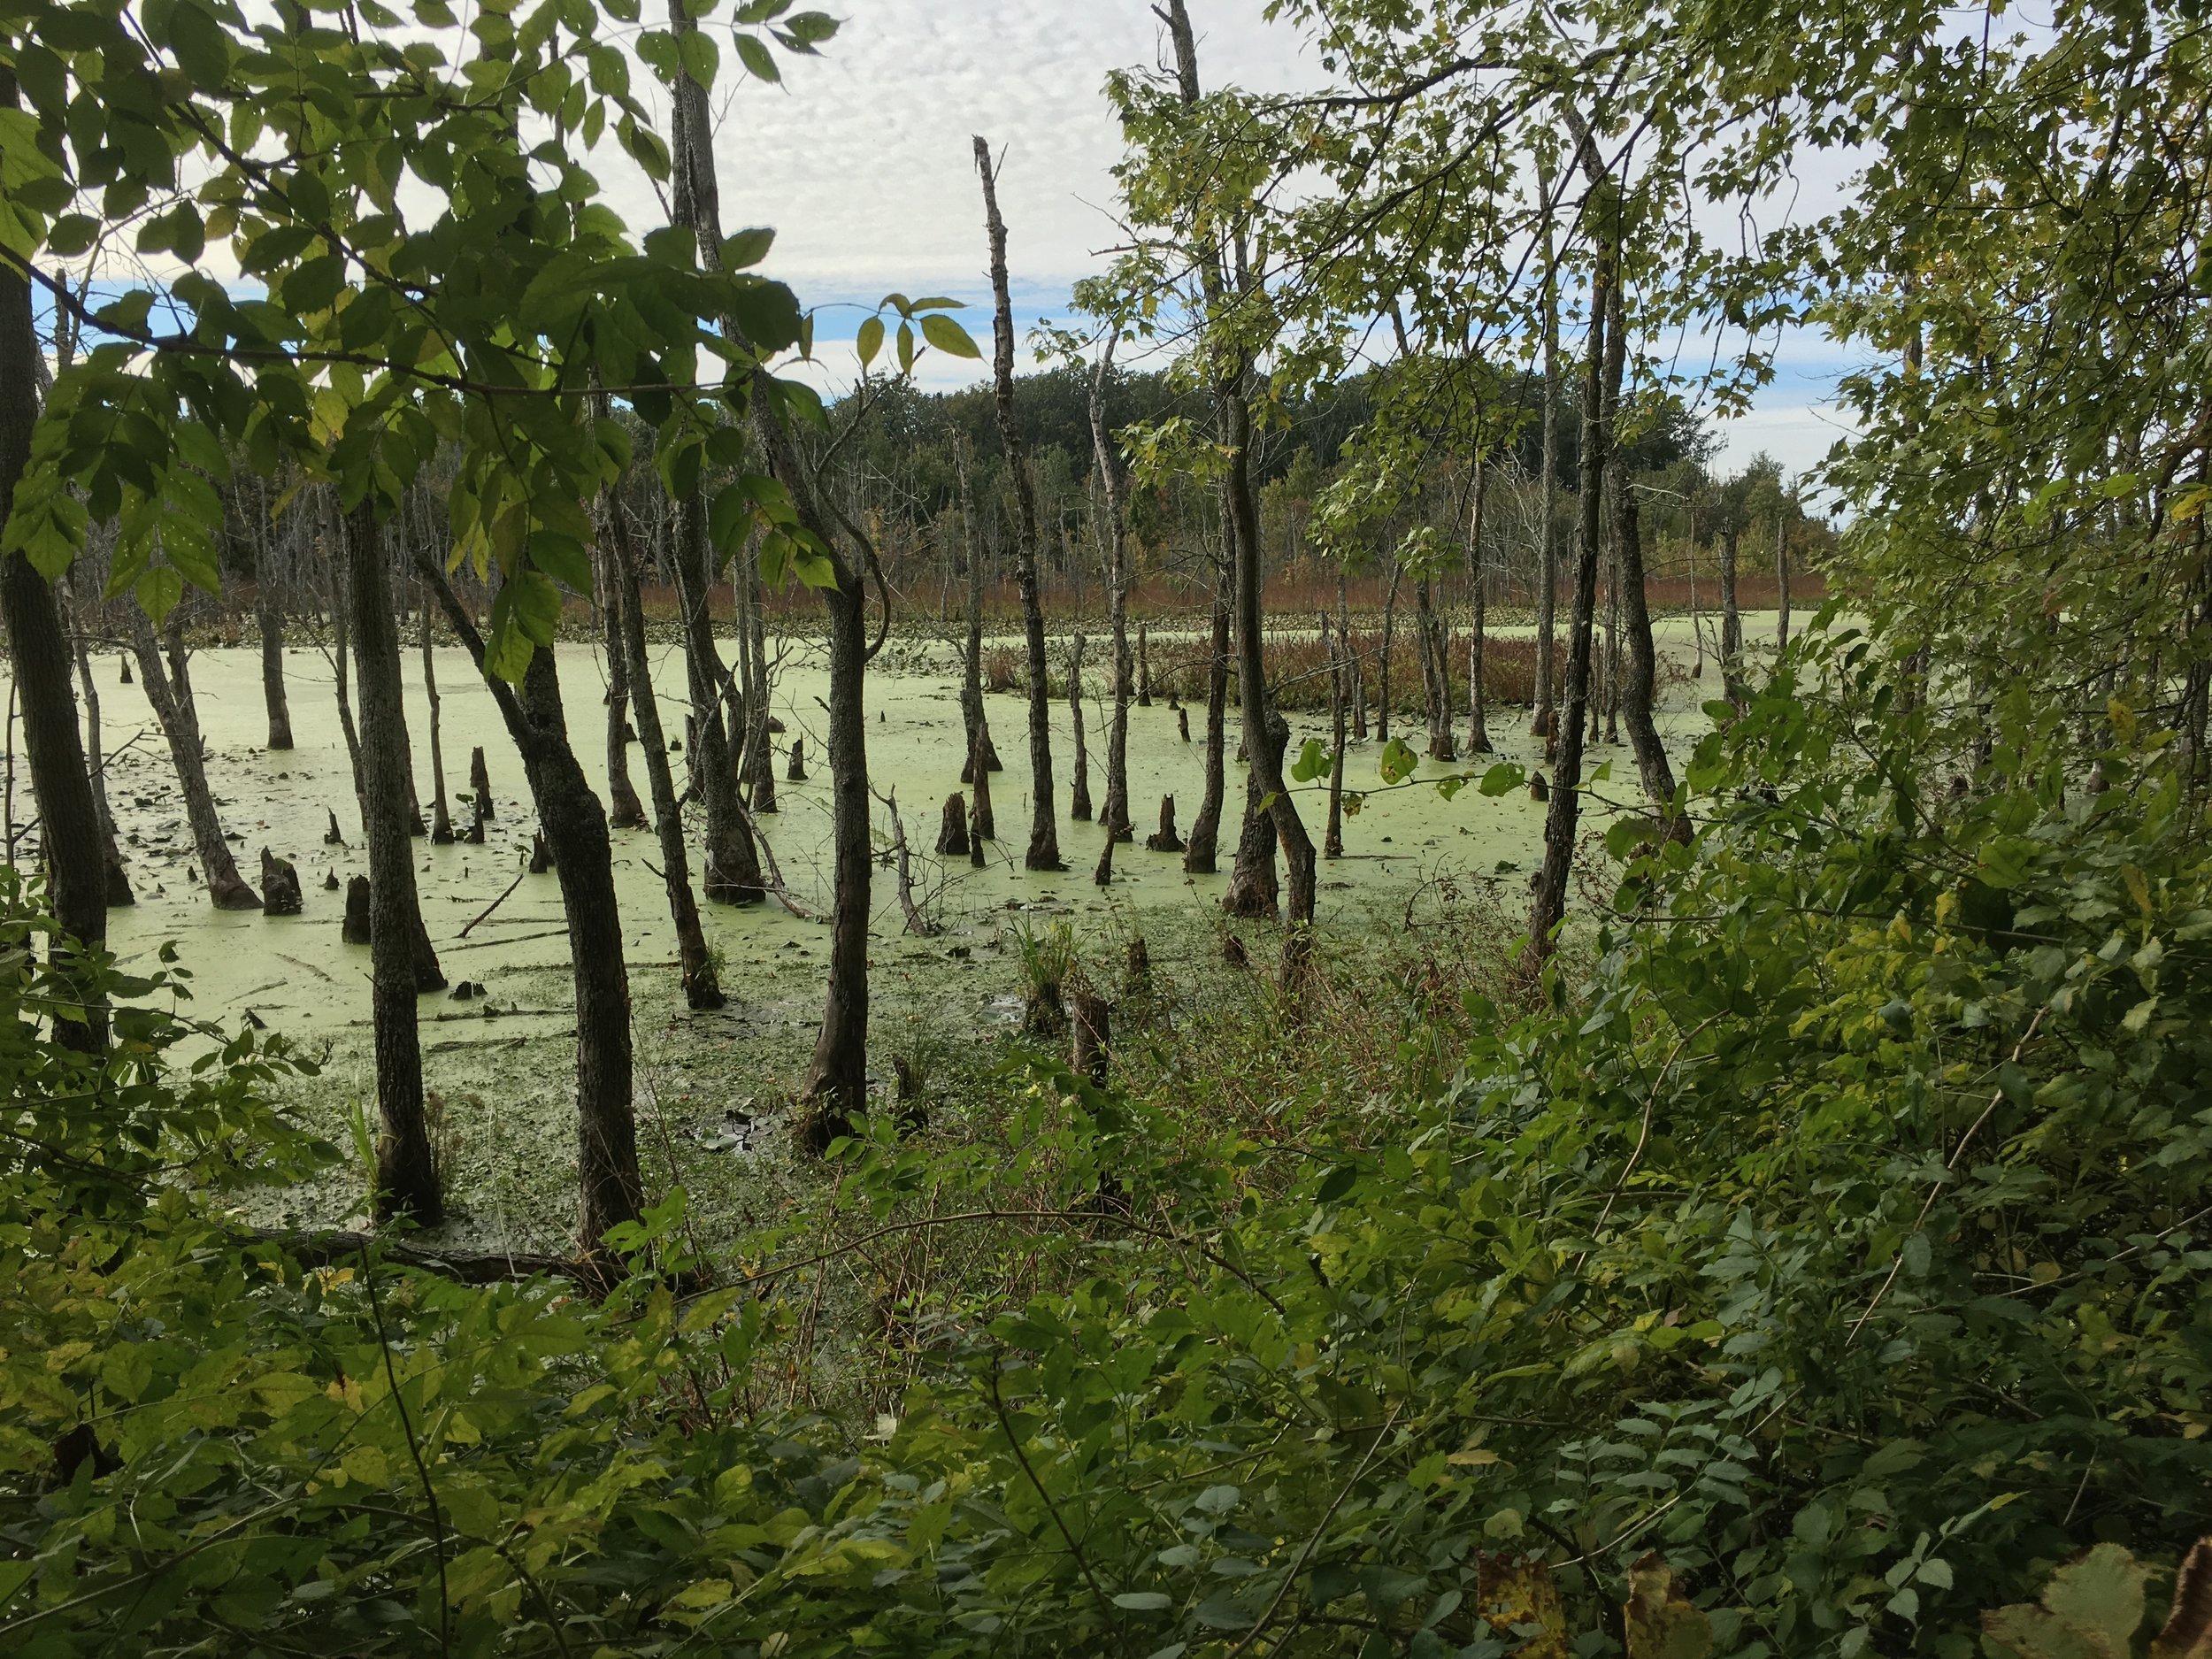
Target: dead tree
<point>1079,787</point>
<point>1044,836</point>
<point>952,830</point>
<point>1164,840</point>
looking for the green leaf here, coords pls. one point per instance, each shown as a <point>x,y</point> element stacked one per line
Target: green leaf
<point>948,336</point>
<point>747,248</point>
<point>756,58</point>
<point>869,340</point>
<point>157,591</point>
<point>1144,1600</point>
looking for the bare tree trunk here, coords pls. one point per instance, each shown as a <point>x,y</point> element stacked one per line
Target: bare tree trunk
<point>1340,664</point>
<point>1079,786</point>
<point>1478,585</point>
<point>341,663</point>
<point>1436,673</point>
<point>759,750</point>
<point>1541,722</point>
<point>269,620</point>
<point>38,650</point>
<point>441,813</point>
<point>406,1174</point>
<point>1602,369</point>
<point>118,881</point>
<point>694,964</point>
<point>624,810</point>
<point>1641,671</point>
<point>1782,581</point>
<point>575,827</point>
<point>838,1074</point>
<point>1389,624</point>
<point>1618,483</point>
<point>972,709</point>
<point>732,873</point>
<point>173,711</point>
<point>1731,617</point>
<point>1115,818</point>
<point>1144,661</point>
<point>1355,676</point>
<point>1254,889</point>
<point>1044,836</point>
<point>980,769</point>
<point>1201,852</point>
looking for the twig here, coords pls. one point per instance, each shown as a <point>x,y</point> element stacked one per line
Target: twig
<point>495,904</point>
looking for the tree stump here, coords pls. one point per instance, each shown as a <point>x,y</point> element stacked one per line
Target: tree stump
<point>1136,974</point>
<point>334,836</point>
<point>1182,721</point>
<point>477,815</point>
<point>952,831</point>
<point>541,855</point>
<point>126,668</point>
<point>1144,667</point>
<point>1164,840</point>
<point>481,781</point>
<point>1044,1011</point>
<point>795,772</point>
<point>356,928</point>
<point>331,883</point>
<point>975,836</point>
<point>1093,1049</point>
<point>1104,875</point>
<point>280,885</point>
<point>1234,953</point>
<point>1538,790</point>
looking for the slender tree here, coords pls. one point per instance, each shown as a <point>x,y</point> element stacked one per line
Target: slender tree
<point>407,1177</point>
<point>1116,817</point>
<point>1044,835</point>
<point>169,692</point>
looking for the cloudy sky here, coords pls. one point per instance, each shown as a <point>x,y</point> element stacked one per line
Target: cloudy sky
<point>863,161</point>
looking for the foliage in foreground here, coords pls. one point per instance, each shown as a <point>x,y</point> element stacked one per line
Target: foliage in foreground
<point>1837,1253</point>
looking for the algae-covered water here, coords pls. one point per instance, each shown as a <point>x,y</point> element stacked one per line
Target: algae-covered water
<point>711,1087</point>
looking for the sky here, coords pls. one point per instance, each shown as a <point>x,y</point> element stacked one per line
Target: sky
<point>863,160</point>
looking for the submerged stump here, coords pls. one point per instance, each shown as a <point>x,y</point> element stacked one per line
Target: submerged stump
<point>1164,840</point>
<point>280,885</point>
<point>952,831</point>
<point>355,929</point>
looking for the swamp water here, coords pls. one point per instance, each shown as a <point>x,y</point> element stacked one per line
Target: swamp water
<point>712,1087</point>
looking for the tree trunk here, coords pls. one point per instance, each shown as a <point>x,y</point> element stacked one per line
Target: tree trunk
<point>732,867</point>
<point>1639,673</point>
<point>1080,783</point>
<point>1436,673</point>
<point>972,709</point>
<point>759,750</point>
<point>38,650</point>
<point>1601,369</point>
<point>270,622</point>
<point>1044,836</point>
<point>174,713</point>
<point>441,811</point>
<point>406,1174</point>
<point>1338,659</point>
<point>1091,1045</point>
<point>575,827</point>
<point>118,881</point>
<point>1356,680</point>
<point>1200,853</point>
<point>1478,585</point>
<point>979,771</point>
<point>1116,817</point>
<point>1382,674</point>
<point>1781,582</point>
<point>1611,680</point>
<point>1253,888</point>
<point>1542,721</point>
<point>837,1077</point>
<point>1234,417</point>
<point>1731,618</point>
<point>694,964</point>
<point>1144,659</point>
<point>624,810</point>
<point>340,666</point>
